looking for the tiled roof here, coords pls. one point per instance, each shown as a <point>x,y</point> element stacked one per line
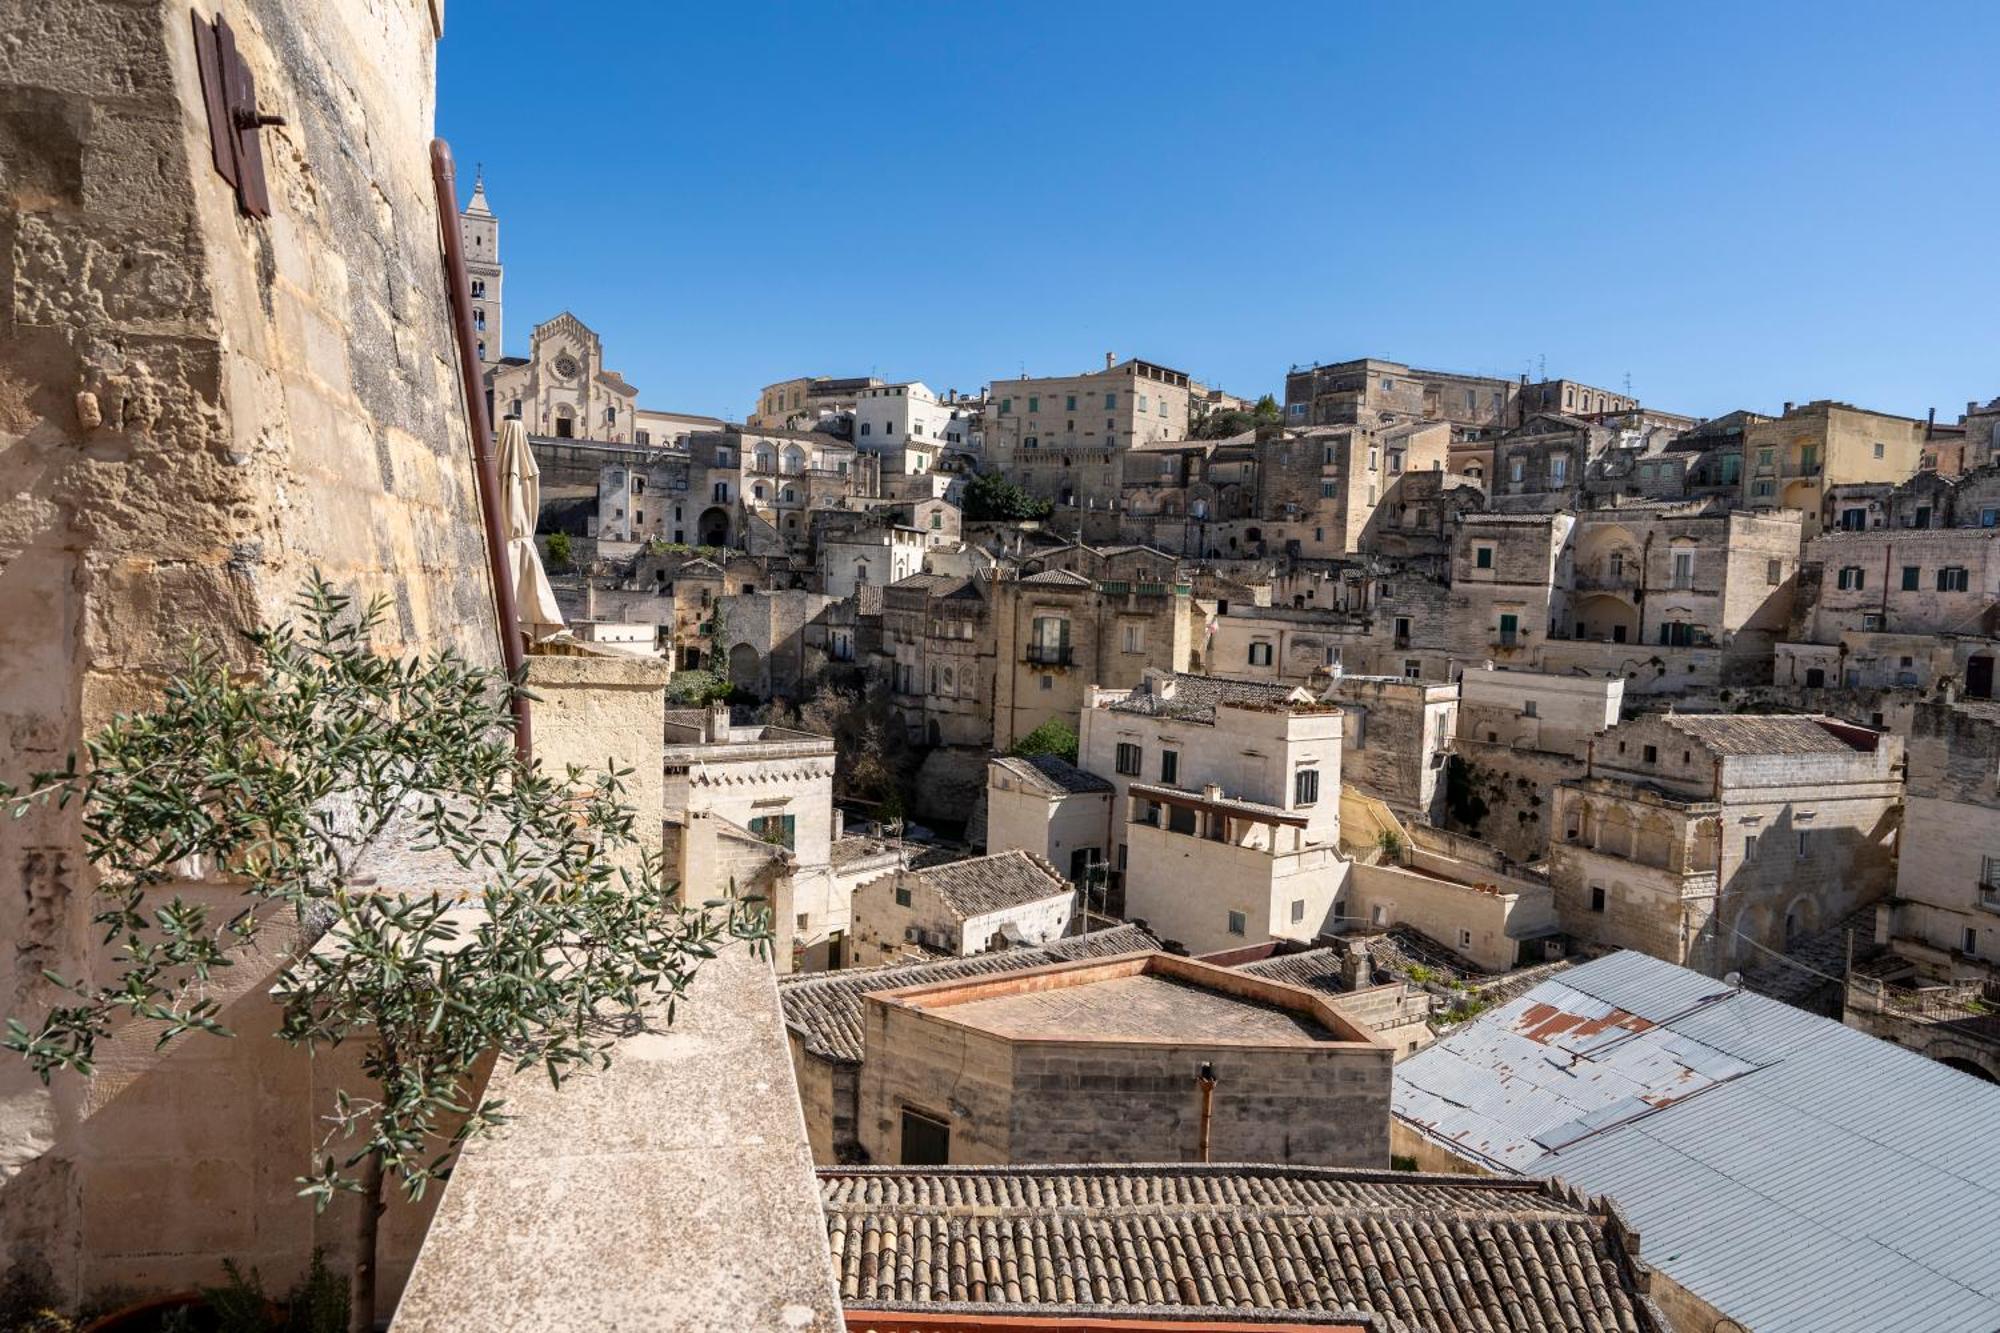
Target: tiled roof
<point>1748,733</point>
<point>1440,1254</point>
<point>1315,969</point>
<point>1053,775</point>
<point>1061,578</point>
<point>982,884</point>
<point>1195,697</point>
<point>1796,1174</point>
<point>857,847</point>
<point>825,1007</point>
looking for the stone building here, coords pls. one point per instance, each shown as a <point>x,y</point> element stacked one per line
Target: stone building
<point>1059,634</point>
<point>1704,839</point>
<point>1219,845</point>
<point>1063,438</point>
<point>903,424</point>
<point>1048,806</point>
<point>1395,738</point>
<point>1006,900</point>
<point>1790,462</point>
<point>807,401</point>
<point>562,388</point>
<point>1320,489</point>
<point>1540,463</point>
<point>1510,585</point>
<point>1146,1058</point>
<point>479,235</point>
<point>1900,591</point>
<point>856,547</point>
<point>771,786</point>
<point>1370,390</point>
<point>1537,710</point>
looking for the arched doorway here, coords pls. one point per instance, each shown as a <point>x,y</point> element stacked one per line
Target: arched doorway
<point>714,526</point>
<point>745,667</point>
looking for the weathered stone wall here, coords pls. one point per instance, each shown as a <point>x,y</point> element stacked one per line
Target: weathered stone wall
<point>195,409</point>
<point>1517,788</point>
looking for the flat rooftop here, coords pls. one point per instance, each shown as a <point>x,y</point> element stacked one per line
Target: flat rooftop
<point>1139,1007</point>
<point>1138,998</point>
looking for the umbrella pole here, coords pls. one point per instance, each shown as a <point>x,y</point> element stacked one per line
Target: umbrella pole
<point>444,177</point>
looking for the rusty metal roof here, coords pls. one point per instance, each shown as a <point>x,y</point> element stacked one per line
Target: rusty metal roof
<point>1800,1176</point>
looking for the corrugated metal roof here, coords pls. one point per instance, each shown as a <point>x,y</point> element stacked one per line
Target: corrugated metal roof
<point>1800,1176</point>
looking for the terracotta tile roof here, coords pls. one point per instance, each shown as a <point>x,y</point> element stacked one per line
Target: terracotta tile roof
<point>1748,733</point>
<point>1061,578</point>
<point>1194,697</point>
<point>982,884</point>
<point>1315,969</point>
<point>1054,775</point>
<point>824,1008</point>
<point>1443,1254</point>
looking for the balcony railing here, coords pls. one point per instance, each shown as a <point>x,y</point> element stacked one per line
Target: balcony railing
<point>1050,655</point>
<point>1989,897</point>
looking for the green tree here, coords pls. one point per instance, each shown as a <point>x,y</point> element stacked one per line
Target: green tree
<point>695,688</point>
<point>1266,412</point>
<point>561,554</point>
<point>280,783</point>
<point>993,498</point>
<point>1053,737</point>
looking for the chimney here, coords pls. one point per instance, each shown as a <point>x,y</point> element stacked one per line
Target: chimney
<point>1356,968</point>
<point>1108,359</point>
<point>1211,791</point>
<point>1788,409</point>
<point>1930,423</point>
<point>718,723</point>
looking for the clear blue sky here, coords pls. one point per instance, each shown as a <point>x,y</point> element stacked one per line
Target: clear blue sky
<point>1736,204</point>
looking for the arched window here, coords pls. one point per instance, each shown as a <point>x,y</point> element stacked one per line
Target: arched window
<point>478,287</point>
<point>482,351</point>
<point>479,318</point>
<point>791,495</point>
<point>795,459</point>
<point>767,458</point>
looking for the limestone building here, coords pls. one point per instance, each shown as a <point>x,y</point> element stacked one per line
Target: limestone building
<point>1789,463</point>
<point>904,424</point>
<point>479,234</point>
<point>986,903</point>
<point>562,388</point>
<point>1226,818</point>
<point>1049,807</point>
<point>1144,1058</point>
<point>807,401</point>
<point>1704,839</point>
<point>1063,437</point>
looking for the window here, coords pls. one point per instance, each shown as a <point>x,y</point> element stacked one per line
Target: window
<point>1510,629</point>
<point>1133,638</point>
<point>1069,403</point>
<point>1952,578</point>
<point>1412,669</point>
<point>1911,577</point>
<point>1482,557</point>
<point>1239,924</point>
<point>1970,941</point>
<point>902,895</point>
<point>1558,469</point>
<point>1048,683</point>
<point>1878,448</point>
<point>1684,569</point>
<point>1328,489</point>
<point>1652,754</point>
<point>1989,518</point>
<point>1395,460</point>
<point>1852,578</point>
<point>1111,400</point>
<point>1749,846</point>
<point>1305,787</point>
<point>1130,758</point>
<point>1260,653</point>
<point>926,1140</point>
<point>1763,490</point>
<point>1142,402</point>
<point>1597,898</point>
<point>479,286</point>
<point>1530,708</point>
<point>780,830</point>
<point>867,428</point>
<point>1373,454</point>
<point>1767,458</point>
<point>1170,767</point>
<point>1050,646</point>
<point>1516,467</point>
<point>479,320</point>
<point>1298,910</point>
<point>1774,572</point>
<point>1007,405</point>
<point>1402,631</point>
<point>1464,938</point>
<point>1034,403</point>
<point>1804,834</point>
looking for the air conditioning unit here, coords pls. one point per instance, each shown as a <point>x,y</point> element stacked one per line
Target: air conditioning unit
<point>912,935</point>
<point>1552,950</point>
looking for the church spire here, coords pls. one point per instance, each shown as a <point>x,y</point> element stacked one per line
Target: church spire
<point>479,205</point>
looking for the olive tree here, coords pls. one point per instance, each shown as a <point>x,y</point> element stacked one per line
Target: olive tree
<point>530,942</point>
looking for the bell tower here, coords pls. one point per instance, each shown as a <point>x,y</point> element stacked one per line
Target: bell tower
<point>479,234</point>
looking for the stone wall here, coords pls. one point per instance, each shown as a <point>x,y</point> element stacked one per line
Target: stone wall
<point>195,409</point>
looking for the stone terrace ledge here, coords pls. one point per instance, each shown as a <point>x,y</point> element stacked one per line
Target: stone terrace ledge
<point>673,1191</point>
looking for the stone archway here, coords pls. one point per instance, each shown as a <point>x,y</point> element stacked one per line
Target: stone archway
<point>713,526</point>
<point>746,668</point>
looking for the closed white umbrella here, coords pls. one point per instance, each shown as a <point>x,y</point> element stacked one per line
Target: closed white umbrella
<point>521,503</point>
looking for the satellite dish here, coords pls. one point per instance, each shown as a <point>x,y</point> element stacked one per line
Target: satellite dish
<point>1733,979</point>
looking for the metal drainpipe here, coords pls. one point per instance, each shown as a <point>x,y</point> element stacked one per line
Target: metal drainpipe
<point>1206,1078</point>
<point>444,178</point>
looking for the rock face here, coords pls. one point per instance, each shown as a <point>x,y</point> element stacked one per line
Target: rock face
<point>195,409</point>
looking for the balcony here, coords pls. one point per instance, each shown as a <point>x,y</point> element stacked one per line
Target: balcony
<point>1988,897</point>
<point>1059,655</point>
